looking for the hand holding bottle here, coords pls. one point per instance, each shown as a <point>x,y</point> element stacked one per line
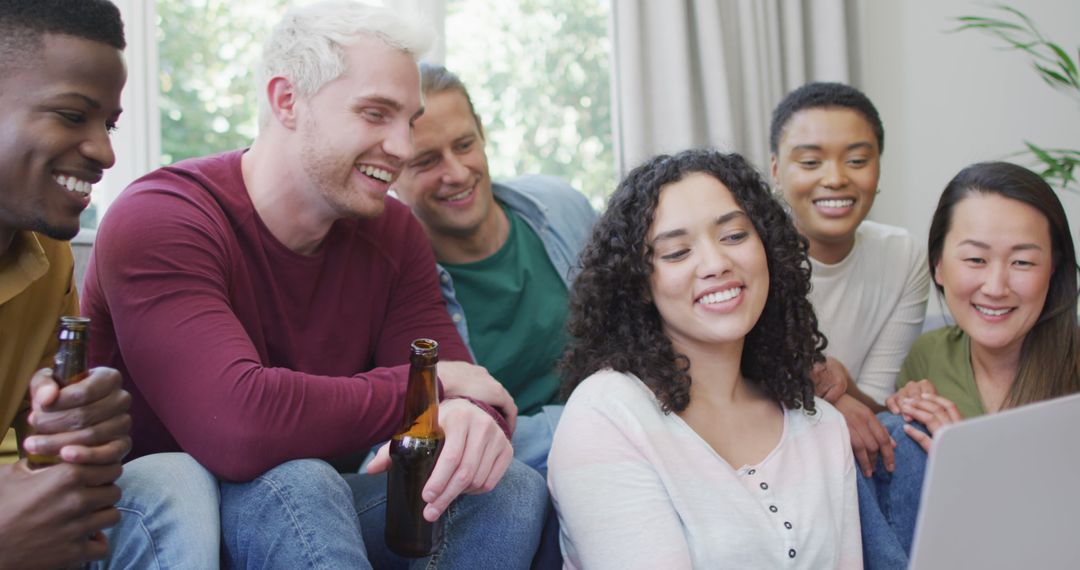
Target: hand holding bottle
<point>474,458</point>
<point>85,422</point>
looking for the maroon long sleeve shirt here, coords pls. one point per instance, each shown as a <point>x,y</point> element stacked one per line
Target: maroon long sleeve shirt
<point>241,352</point>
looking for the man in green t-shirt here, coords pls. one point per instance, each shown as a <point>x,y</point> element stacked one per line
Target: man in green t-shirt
<point>506,253</point>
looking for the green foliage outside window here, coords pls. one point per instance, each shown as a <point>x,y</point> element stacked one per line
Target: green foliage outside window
<point>207,50</point>
<point>538,71</point>
<point>539,75</point>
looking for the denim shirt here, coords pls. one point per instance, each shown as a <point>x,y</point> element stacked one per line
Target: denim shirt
<point>561,216</point>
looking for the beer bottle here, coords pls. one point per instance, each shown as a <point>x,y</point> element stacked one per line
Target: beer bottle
<point>69,366</point>
<point>413,454</point>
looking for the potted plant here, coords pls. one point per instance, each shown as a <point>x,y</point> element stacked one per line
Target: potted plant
<point>1056,68</point>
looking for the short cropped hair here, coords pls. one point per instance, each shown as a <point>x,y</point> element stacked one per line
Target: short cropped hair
<point>821,95</point>
<point>23,24</point>
<point>307,45</point>
<point>435,78</point>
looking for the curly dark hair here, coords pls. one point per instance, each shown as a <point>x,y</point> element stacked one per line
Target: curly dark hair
<point>613,322</point>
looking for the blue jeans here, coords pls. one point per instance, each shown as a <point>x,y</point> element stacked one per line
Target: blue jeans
<point>168,516</point>
<point>532,437</point>
<point>532,443</point>
<point>889,502</point>
<point>303,514</point>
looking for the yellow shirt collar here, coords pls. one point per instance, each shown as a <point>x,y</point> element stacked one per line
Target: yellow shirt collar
<point>23,263</point>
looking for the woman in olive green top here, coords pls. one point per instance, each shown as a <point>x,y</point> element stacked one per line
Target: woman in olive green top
<point>1001,253</point>
<point>940,362</point>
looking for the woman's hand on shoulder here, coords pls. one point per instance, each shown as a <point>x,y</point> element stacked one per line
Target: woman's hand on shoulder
<point>831,380</point>
<point>933,411</point>
<point>869,438</point>
<point>911,390</point>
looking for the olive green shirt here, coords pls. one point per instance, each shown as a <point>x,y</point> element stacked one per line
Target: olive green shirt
<point>943,357</point>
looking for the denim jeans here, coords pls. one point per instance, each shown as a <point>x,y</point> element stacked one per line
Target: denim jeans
<point>499,529</point>
<point>168,516</point>
<point>532,443</point>
<point>889,502</point>
<point>532,437</point>
<point>297,515</point>
<point>304,514</point>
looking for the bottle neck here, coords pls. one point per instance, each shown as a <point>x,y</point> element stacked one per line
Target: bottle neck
<point>422,401</point>
<point>70,363</point>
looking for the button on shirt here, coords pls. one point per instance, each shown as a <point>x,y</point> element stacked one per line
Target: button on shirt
<point>644,490</point>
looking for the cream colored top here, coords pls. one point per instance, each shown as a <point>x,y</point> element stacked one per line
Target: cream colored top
<point>871,305</point>
<point>637,488</point>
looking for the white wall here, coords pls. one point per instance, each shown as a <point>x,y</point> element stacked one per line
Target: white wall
<point>951,99</point>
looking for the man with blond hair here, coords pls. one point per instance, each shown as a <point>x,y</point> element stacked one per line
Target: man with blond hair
<point>260,304</point>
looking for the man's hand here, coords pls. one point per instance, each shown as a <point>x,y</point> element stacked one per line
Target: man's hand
<point>868,437</point>
<point>474,457</point>
<point>52,517</point>
<point>831,380</point>
<point>464,379</point>
<point>86,422</point>
<point>933,411</point>
<point>910,391</point>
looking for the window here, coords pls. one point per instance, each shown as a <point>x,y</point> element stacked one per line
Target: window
<point>207,51</point>
<point>539,74</point>
<point>538,71</point>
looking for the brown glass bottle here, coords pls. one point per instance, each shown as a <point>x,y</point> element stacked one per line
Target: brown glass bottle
<point>413,454</point>
<point>69,366</point>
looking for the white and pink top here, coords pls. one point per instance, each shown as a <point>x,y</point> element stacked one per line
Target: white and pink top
<point>637,488</point>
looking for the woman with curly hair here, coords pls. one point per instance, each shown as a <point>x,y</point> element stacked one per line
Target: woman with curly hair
<point>692,437</point>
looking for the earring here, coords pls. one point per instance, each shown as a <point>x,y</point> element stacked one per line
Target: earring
<point>878,191</point>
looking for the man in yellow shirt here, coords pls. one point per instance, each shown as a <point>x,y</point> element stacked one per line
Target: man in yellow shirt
<point>61,74</point>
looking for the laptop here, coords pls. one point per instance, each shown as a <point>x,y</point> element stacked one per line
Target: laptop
<point>1003,491</point>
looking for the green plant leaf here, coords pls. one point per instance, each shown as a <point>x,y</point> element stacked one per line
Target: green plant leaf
<point>1053,65</point>
<point>1051,76</point>
<point>1066,62</point>
<point>1038,152</point>
<point>1022,16</point>
<point>981,22</point>
<point>1056,164</point>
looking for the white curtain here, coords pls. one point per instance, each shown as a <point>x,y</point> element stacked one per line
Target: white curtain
<point>708,72</point>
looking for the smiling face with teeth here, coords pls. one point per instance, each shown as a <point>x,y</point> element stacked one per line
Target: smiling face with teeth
<point>826,166</point>
<point>446,183</point>
<point>54,134</point>
<point>995,269</point>
<point>355,132</point>
<point>710,274</point>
